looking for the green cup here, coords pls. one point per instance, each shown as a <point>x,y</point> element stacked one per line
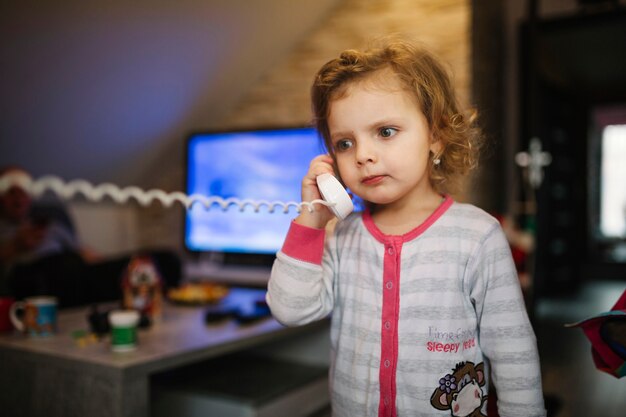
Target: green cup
<point>123,330</point>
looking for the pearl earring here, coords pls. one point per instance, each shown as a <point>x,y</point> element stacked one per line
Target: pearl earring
<point>436,161</point>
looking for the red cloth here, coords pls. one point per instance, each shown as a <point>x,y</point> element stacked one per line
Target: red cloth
<point>609,354</point>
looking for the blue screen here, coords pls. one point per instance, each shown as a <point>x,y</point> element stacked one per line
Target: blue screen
<point>258,165</point>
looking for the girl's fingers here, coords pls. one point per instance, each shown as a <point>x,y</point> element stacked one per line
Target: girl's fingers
<point>321,164</point>
<point>320,215</point>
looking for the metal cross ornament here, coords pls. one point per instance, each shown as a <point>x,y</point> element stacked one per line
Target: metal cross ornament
<point>534,159</point>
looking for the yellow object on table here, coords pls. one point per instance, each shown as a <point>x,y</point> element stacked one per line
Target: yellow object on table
<point>198,293</point>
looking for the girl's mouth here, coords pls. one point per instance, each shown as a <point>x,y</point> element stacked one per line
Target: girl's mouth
<point>373,180</point>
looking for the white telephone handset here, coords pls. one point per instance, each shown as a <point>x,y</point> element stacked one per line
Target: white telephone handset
<point>333,192</point>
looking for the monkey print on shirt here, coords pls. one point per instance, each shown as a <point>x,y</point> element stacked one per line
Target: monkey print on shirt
<point>461,392</point>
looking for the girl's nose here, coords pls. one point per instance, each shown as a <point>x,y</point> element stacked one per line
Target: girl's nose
<point>365,153</point>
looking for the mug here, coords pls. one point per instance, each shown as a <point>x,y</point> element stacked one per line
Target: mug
<point>5,318</point>
<point>123,330</point>
<point>39,315</point>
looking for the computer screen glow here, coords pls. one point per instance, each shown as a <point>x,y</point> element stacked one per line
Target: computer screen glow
<point>258,165</point>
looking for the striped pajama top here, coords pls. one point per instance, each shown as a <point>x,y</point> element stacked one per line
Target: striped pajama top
<point>420,322</point>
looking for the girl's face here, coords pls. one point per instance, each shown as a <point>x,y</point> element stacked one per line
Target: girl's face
<point>382,141</point>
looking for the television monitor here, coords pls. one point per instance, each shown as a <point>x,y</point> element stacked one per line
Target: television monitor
<point>261,164</point>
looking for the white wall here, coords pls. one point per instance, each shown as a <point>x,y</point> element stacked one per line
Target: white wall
<point>101,89</point>
<point>107,229</point>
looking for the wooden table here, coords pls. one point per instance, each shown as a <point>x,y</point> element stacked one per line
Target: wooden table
<point>56,377</point>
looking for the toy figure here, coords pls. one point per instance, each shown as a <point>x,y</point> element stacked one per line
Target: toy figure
<point>142,288</point>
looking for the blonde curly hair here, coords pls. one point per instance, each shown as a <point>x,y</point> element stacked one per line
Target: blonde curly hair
<point>424,76</point>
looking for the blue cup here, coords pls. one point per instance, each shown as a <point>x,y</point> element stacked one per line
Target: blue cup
<point>35,316</point>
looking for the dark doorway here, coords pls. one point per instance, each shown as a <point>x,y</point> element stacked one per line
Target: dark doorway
<point>574,69</point>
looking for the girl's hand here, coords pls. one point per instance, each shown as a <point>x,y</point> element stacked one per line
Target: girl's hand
<point>321,215</point>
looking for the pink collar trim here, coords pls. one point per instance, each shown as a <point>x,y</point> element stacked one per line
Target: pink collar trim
<point>412,234</point>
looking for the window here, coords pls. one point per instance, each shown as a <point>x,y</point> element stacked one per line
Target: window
<point>613,182</point>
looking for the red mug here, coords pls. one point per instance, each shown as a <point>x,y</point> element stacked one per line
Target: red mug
<point>5,320</point>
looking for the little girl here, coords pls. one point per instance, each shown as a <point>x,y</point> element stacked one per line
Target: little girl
<point>425,301</point>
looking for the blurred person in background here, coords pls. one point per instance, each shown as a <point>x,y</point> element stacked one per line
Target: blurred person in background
<point>41,254</point>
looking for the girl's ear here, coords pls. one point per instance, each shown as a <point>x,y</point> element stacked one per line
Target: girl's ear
<point>436,147</point>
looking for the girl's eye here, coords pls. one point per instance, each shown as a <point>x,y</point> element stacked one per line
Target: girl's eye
<point>387,132</point>
<point>343,144</point>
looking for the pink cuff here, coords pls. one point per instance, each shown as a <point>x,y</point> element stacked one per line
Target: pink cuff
<point>304,243</point>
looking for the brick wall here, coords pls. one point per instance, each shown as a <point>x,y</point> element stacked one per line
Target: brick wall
<point>282,96</point>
